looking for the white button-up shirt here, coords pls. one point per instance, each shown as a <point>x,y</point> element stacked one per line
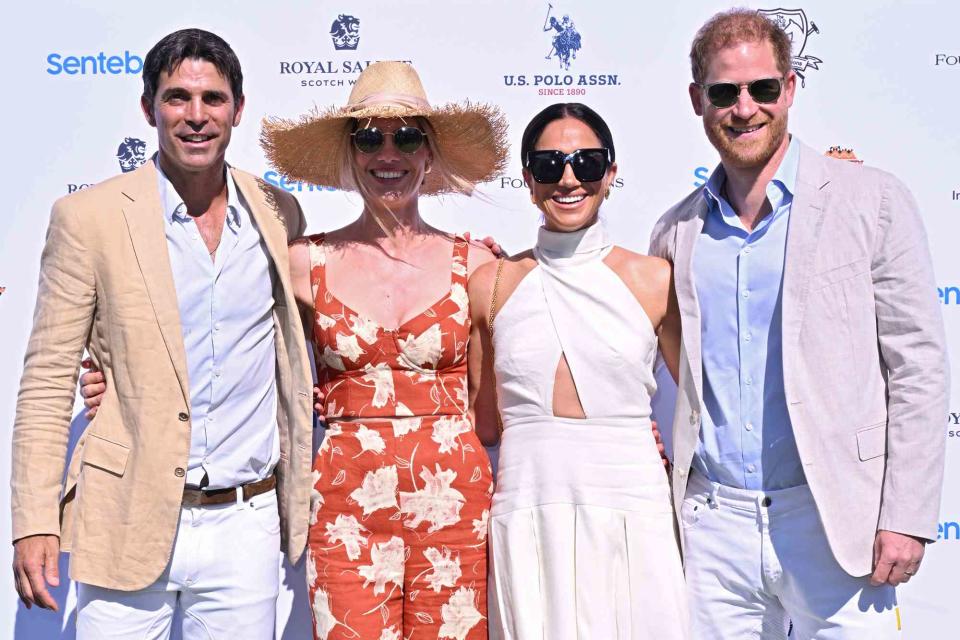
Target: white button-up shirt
<point>226,316</point>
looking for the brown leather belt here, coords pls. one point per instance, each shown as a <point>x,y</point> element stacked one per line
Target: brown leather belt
<point>200,498</point>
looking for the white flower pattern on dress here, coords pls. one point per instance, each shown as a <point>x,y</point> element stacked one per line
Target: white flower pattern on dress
<point>325,622</point>
<point>437,503</point>
<point>459,614</point>
<point>348,347</point>
<point>446,568</point>
<point>378,491</point>
<point>364,327</point>
<point>459,295</point>
<point>386,565</point>
<point>390,634</point>
<point>447,429</point>
<point>403,426</point>
<point>349,532</point>
<point>325,321</point>
<point>424,349</point>
<point>316,498</point>
<point>369,439</point>
<point>382,378</point>
<point>480,526</point>
<point>332,359</point>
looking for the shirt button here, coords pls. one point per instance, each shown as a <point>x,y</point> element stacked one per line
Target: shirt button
<point>179,472</point>
<point>747,250</point>
<point>748,337</point>
<point>183,416</point>
<point>746,293</point>
<point>751,468</point>
<point>748,426</point>
<point>694,416</point>
<point>749,381</point>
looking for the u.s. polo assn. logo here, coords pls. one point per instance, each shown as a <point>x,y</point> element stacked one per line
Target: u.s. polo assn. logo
<point>795,24</point>
<point>565,41</point>
<point>345,33</point>
<point>565,45</point>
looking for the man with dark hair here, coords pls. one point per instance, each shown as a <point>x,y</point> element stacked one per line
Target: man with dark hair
<point>808,439</point>
<point>174,277</point>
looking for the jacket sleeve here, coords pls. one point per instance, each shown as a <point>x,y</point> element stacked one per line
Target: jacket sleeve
<point>913,347</point>
<point>66,301</point>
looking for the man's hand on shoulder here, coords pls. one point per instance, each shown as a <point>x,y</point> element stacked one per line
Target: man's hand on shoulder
<point>896,558</point>
<point>35,567</point>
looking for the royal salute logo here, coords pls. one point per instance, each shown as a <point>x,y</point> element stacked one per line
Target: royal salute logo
<point>795,24</point>
<point>131,154</point>
<point>565,42</point>
<point>311,71</point>
<point>345,33</point>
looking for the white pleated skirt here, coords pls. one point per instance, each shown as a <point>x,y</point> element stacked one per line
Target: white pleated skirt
<point>582,535</point>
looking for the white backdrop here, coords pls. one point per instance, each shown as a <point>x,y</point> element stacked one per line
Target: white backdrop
<point>881,76</point>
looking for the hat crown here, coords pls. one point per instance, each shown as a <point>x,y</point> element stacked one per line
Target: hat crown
<point>384,83</point>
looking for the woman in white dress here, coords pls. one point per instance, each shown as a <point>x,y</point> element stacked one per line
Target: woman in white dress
<point>564,339</point>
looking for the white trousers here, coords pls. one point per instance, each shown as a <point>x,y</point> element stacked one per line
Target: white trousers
<point>222,578</point>
<point>756,561</point>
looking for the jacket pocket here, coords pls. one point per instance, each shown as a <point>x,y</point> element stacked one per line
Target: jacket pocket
<point>840,273</point>
<point>105,454</point>
<point>872,441</point>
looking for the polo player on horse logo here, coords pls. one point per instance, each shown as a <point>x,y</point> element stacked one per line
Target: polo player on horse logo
<point>567,41</point>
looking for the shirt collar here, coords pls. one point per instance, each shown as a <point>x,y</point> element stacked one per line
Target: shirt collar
<point>174,209</point>
<point>779,191</point>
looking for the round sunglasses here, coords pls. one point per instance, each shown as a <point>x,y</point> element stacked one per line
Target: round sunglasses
<point>547,166</point>
<point>371,139</point>
<point>725,94</point>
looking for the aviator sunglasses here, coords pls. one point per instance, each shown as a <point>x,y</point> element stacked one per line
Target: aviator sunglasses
<point>725,94</point>
<point>405,139</point>
<point>547,166</point>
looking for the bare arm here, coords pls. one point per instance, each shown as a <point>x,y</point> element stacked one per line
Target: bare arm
<point>480,377</point>
<point>669,331</point>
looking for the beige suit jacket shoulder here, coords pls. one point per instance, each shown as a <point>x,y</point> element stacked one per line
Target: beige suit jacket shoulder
<point>864,357</point>
<point>106,284</point>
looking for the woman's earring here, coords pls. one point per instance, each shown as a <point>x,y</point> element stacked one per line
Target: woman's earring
<point>428,169</point>
<point>606,196</point>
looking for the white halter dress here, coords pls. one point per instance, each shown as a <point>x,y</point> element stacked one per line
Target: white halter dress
<point>583,543</point>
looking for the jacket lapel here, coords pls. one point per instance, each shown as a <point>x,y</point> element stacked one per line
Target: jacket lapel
<point>803,235</point>
<point>144,216</point>
<point>269,223</point>
<point>688,230</point>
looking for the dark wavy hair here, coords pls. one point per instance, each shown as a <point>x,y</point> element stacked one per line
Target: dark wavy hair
<point>560,110</point>
<point>186,44</point>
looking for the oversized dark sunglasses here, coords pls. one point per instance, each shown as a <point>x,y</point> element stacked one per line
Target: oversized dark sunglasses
<point>725,94</point>
<point>547,166</point>
<point>370,139</point>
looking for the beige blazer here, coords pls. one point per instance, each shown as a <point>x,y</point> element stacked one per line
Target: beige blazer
<point>106,284</point>
<point>864,357</point>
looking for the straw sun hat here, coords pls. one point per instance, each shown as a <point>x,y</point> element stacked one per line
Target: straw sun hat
<point>471,138</point>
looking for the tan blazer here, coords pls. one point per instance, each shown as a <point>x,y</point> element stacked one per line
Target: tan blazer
<point>864,357</point>
<point>106,284</point>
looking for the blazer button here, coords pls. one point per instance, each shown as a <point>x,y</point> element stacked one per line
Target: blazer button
<point>179,472</point>
<point>183,416</point>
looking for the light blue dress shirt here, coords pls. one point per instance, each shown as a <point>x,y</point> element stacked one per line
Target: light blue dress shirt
<point>746,438</point>
<point>226,316</point>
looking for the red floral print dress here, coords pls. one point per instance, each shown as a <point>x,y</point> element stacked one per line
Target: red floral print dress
<point>402,486</point>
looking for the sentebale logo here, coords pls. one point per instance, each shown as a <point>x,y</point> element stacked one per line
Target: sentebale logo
<point>94,64</point>
<point>345,33</point>
<point>795,24</point>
